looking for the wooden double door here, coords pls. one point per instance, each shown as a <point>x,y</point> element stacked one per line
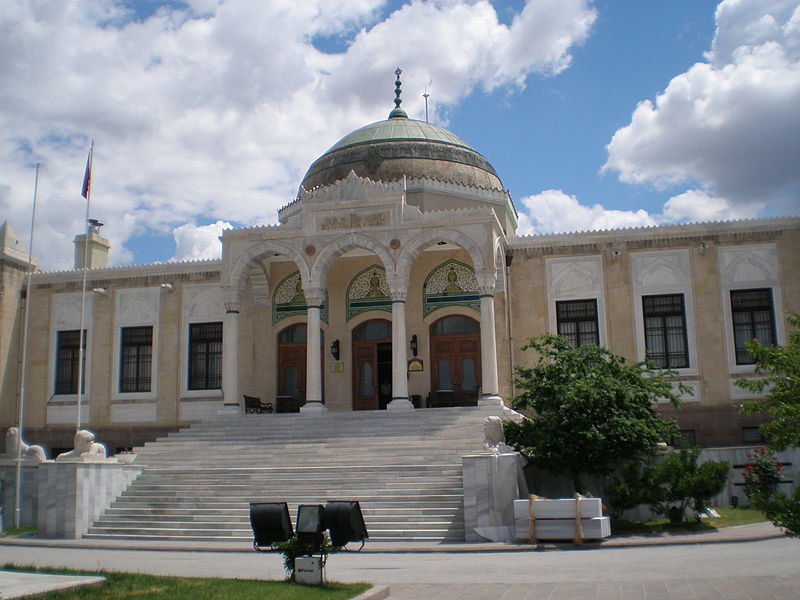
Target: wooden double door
<point>455,361</point>
<point>292,368</point>
<point>372,365</point>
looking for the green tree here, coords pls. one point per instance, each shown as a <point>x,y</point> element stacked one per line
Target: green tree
<point>779,367</point>
<point>593,410</point>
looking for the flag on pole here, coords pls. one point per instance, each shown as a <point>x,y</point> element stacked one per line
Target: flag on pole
<point>87,175</point>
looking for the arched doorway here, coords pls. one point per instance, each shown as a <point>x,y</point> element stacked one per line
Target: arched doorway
<point>372,365</point>
<point>455,361</point>
<point>292,368</point>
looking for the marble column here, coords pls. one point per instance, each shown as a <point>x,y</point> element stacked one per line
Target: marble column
<point>400,399</point>
<point>230,355</point>
<point>489,381</point>
<point>314,298</point>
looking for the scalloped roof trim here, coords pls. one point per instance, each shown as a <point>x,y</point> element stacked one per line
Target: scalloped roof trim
<point>478,210</point>
<point>322,191</point>
<point>459,184</point>
<point>138,267</point>
<point>672,226</point>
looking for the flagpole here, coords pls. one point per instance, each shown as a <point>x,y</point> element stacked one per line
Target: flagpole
<point>87,192</point>
<point>26,321</point>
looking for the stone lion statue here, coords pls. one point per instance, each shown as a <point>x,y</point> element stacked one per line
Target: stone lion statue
<point>494,439</point>
<point>16,444</point>
<point>85,450</point>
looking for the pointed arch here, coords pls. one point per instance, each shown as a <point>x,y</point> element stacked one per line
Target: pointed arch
<point>414,247</point>
<point>242,266</point>
<point>329,254</point>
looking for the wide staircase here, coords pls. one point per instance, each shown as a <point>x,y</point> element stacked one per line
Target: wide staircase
<point>403,467</point>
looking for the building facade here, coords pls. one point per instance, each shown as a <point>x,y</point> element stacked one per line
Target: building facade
<point>395,281</point>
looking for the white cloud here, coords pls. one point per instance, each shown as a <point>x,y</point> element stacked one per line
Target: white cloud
<point>555,211</point>
<point>216,110</point>
<point>731,124</point>
<point>697,205</point>
<point>193,242</point>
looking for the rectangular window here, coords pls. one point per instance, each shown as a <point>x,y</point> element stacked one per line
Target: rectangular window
<point>685,437</point>
<point>205,356</point>
<point>665,331</point>
<point>136,359</point>
<point>751,435</point>
<point>67,357</point>
<point>577,321</point>
<point>753,319</point>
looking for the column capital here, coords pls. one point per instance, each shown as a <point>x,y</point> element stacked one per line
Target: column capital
<point>398,295</point>
<point>314,296</point>
<point>487,280</point>
<point>232,307</point>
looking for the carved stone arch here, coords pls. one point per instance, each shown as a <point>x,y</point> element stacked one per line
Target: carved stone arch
<point>241,268</point>
<point>575,278</point>
<point>138,309</point>
<point>662,270</point>
<point>427,238</point>
<point>329,254</point>
<point>750,267</point>
<point>259,282</point>
<point>500,262</point>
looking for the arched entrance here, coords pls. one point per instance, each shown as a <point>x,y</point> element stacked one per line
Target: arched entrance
<point>372,365</point>
<point>292,368</point>
<point>455,361</point>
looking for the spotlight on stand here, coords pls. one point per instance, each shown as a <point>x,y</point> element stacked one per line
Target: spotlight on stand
<point>270,522</point>
<point>310,525</point>
<point>344,520</point>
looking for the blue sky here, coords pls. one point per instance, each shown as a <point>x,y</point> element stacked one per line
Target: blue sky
<point>205,113</point>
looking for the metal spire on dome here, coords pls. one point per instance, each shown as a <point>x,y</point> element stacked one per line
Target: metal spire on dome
<point>397,112</point>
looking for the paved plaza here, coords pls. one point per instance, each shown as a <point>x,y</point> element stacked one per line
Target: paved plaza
<point>748,562</point>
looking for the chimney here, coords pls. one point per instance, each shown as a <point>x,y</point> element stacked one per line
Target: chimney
<point>97,255</point>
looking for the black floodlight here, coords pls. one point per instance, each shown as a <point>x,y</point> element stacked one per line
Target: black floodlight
<point>344,520</point>
<point>310,525</point>
<point>270,522</point>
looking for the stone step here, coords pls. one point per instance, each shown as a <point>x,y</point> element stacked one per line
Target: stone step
<point>404,469</point>
<point>243,512</point>
<point>400,535</point>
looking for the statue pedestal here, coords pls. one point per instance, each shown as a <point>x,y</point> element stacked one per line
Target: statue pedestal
<point>8,475</point>
<point>491,484</point>
<point>73,495</point>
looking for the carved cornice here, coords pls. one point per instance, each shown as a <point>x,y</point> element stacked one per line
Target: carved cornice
<point>353,187</point>
<point>655,236</point>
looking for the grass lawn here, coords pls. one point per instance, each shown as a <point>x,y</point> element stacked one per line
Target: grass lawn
<point>728,515</point>
<point>153,587</point>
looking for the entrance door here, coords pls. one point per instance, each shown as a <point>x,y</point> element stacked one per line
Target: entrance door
<point>372,365</point>
<point>455,361</point>
<point>292,368</point>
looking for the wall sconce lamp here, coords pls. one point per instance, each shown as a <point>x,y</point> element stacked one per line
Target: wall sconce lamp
<point>167,286</point>
<point>100,290</point>
<point>335,349</point>
<point>414,345</point>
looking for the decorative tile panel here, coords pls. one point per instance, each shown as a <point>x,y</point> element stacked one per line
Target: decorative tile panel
<point>452,283</point>
<point>289,299</point>
<point>368,290</point>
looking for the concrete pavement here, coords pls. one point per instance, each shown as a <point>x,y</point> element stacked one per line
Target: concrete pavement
<point>751,561</point>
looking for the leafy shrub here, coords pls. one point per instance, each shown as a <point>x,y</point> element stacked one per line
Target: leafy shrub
<point>669,486</point>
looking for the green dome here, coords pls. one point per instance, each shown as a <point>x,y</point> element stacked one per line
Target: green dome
<point>399,146</point>
<point>399,129</point>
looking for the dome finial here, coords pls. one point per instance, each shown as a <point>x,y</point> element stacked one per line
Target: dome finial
<point>397,112</point>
